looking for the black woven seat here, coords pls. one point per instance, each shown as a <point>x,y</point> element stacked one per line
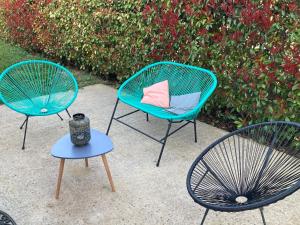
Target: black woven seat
<point>247,169</point>
<point>5,219</point>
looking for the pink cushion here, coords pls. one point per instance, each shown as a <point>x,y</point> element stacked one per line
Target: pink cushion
<point>157,94</point>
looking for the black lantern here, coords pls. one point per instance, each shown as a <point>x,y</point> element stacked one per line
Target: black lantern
<point>80,129</point>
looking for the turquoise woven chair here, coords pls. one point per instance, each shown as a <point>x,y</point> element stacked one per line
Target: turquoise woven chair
<point>183,79</point>
<point>37,88</point>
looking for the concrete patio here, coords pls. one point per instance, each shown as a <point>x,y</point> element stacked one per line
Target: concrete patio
<point>144,193</point>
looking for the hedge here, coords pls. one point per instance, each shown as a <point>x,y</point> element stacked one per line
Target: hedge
<point>252,46</point>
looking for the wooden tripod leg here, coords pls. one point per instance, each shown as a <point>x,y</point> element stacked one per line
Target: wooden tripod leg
<point>61,170</point>
<point>86,162</point>
<point>108,173</point>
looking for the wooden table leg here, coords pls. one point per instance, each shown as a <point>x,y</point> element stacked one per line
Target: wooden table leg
<point>108,173</point>
<point>61,170</point>
<point>86,162</point>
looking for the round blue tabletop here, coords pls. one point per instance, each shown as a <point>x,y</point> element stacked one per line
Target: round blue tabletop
<point>99,144</point>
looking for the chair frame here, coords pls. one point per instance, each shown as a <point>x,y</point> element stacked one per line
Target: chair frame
<point>25,123</point>
<point>161,141</point>
<point>8,219</point>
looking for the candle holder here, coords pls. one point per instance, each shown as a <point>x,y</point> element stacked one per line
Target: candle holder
<point>80,131</point>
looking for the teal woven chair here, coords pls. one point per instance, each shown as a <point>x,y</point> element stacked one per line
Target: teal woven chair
<point>183,79</point>
<point>37,88</point>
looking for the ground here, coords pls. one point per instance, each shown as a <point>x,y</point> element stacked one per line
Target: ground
<point>144,193</point>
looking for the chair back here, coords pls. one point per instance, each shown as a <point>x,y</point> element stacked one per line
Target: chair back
<point>37,87</point>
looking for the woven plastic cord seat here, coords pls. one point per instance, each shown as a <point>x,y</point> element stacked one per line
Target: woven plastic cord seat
<point>37,88</point>
<point>5,219</point>
<point>182,79</point>
<point>247,169</point>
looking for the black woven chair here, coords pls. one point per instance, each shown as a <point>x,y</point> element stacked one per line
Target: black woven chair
<point>247,169</point>
<point>5,219</point>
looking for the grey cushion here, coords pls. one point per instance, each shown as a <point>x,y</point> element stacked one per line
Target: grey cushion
<point>180,104</point>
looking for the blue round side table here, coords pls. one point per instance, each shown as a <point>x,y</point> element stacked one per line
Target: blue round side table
<point>99,145</point>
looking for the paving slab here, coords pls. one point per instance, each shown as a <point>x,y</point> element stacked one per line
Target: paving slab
<point>145,194</point>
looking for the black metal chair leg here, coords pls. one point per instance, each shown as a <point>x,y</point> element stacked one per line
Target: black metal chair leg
<point>164,143</point>
<point>60,117</point>
<point>147,117</point>
<point>21,127</point>
<point>262,215</point>
<point>26,123</point>
<point>204,217</point>
<point>112,116</point>
<point>68,113</point>
<point>195,130</point>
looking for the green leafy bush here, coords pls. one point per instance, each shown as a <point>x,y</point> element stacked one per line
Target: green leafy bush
<point>20,16</point>
<point>252,46</point>
<point>3,27</point>
<point>95,35</point>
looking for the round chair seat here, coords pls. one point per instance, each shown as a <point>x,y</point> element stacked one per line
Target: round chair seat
<point>248,168</point>
<point>228,200</point>
<point>5,219</point>
<point>182,79</point>
<point>42,105</point>
<point>37,88</point>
